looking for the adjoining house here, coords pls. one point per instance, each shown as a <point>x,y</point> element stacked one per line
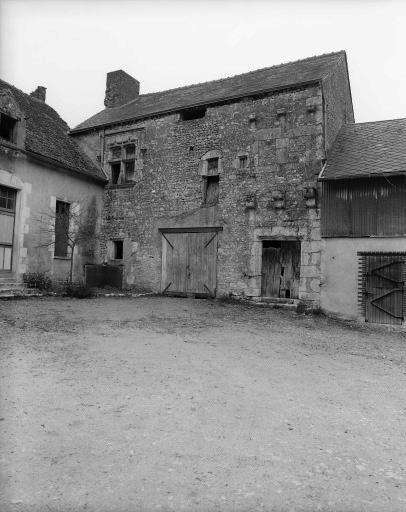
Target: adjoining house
<point>43,175</point>
<point>364,223</point>
<point>213,187</point>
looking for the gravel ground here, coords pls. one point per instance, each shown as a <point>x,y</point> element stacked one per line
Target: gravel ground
<point>165,404</point>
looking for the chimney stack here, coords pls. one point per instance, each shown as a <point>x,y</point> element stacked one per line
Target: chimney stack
<point>39,93</point>
<point>120,88</point>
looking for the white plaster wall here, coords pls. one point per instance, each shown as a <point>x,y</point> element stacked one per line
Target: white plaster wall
<point>339,267</point>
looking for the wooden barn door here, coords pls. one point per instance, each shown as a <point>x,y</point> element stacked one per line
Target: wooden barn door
<point>280,268</point>
<point>189,263</point>
<point>384,288</point>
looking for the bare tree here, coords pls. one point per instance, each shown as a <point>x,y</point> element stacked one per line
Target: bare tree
<point>70,226</point>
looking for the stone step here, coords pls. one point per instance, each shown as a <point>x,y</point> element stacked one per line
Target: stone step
<point>276,303</point>
<point>17,293</point>
<point>12,286</point>
<point>278,300</point>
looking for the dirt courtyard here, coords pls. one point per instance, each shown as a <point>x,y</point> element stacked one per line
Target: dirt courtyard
<point>152,403</point>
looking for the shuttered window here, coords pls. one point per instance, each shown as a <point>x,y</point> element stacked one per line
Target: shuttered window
<point>364,207</point>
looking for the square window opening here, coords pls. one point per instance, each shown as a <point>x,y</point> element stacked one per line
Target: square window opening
<point>118,246</point>
<point>193,113</point>
<point>7,126</point>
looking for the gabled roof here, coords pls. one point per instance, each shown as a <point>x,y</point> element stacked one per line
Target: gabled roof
<point>276,77</point>
<point>368,149</point>
<point>47,134</point>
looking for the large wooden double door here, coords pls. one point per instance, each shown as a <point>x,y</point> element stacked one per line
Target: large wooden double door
<point>189,262</point>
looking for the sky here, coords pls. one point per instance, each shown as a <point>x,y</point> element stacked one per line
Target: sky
<point>68,46</point>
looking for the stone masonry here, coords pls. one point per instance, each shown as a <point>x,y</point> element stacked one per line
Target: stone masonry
<point>274,196</point>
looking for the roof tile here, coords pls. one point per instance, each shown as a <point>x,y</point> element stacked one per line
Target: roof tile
<point>275,77</point>
<point>47,134</point>
<point>368,149</point>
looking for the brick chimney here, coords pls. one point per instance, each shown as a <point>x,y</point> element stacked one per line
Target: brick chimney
<point>39,93</point>
<point>120,88</point>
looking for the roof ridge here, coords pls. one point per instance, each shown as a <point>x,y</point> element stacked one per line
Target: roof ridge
<point>218,80</point>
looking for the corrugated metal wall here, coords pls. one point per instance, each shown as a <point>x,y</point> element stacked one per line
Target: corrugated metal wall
<point>364,207</point>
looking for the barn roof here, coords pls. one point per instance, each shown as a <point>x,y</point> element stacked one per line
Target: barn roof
<point>266,79</point>
<point>368,149</point>
<point>47,134</point>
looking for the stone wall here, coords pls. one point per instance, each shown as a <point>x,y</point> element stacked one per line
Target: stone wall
<point>281,135</point>
<point>338,102</point>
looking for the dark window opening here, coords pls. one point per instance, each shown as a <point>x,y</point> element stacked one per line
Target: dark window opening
<point>211,190</point>
<point>243,162</point>
<point>115,173</point>
<point>193,113</point>
<point>118,249</point>
<point>61,228</point>
<point>7,198</point>
<point>212,165</point>
<point>7,125</point>
<point>276,244</point>
<point>252,123</point>
<point>129,171</point>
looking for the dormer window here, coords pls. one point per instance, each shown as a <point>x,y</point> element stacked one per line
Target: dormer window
<point>7,127</point>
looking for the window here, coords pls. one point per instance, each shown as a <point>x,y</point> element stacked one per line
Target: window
<point>7,126</point>
<point>129,171</point>
<point>130,151</point>
<point>243,162</point>
<point>115,152</point>
<point>115,173</point>
<point>61,229</point>
<point>7,199</point>
<point>193,113</point>
<point>118,249</point>
<point>122,164</point>
<point>211,190</point>
<point>212,165</point>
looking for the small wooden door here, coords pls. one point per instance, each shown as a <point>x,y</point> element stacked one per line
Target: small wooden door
<point>189,263</point>
<point>384,288</point>
<point>280,268</point>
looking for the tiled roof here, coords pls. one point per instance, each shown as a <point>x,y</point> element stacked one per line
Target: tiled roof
<point>275,77</point>
<point>47,134</point>
<point>368,149</point>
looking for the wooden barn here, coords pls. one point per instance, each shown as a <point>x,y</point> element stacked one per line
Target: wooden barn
<point>363,223</point>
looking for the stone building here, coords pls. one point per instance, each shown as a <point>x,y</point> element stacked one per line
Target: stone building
<point>43,175</point>
<point>213,187</point>
<point>363,218</point>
